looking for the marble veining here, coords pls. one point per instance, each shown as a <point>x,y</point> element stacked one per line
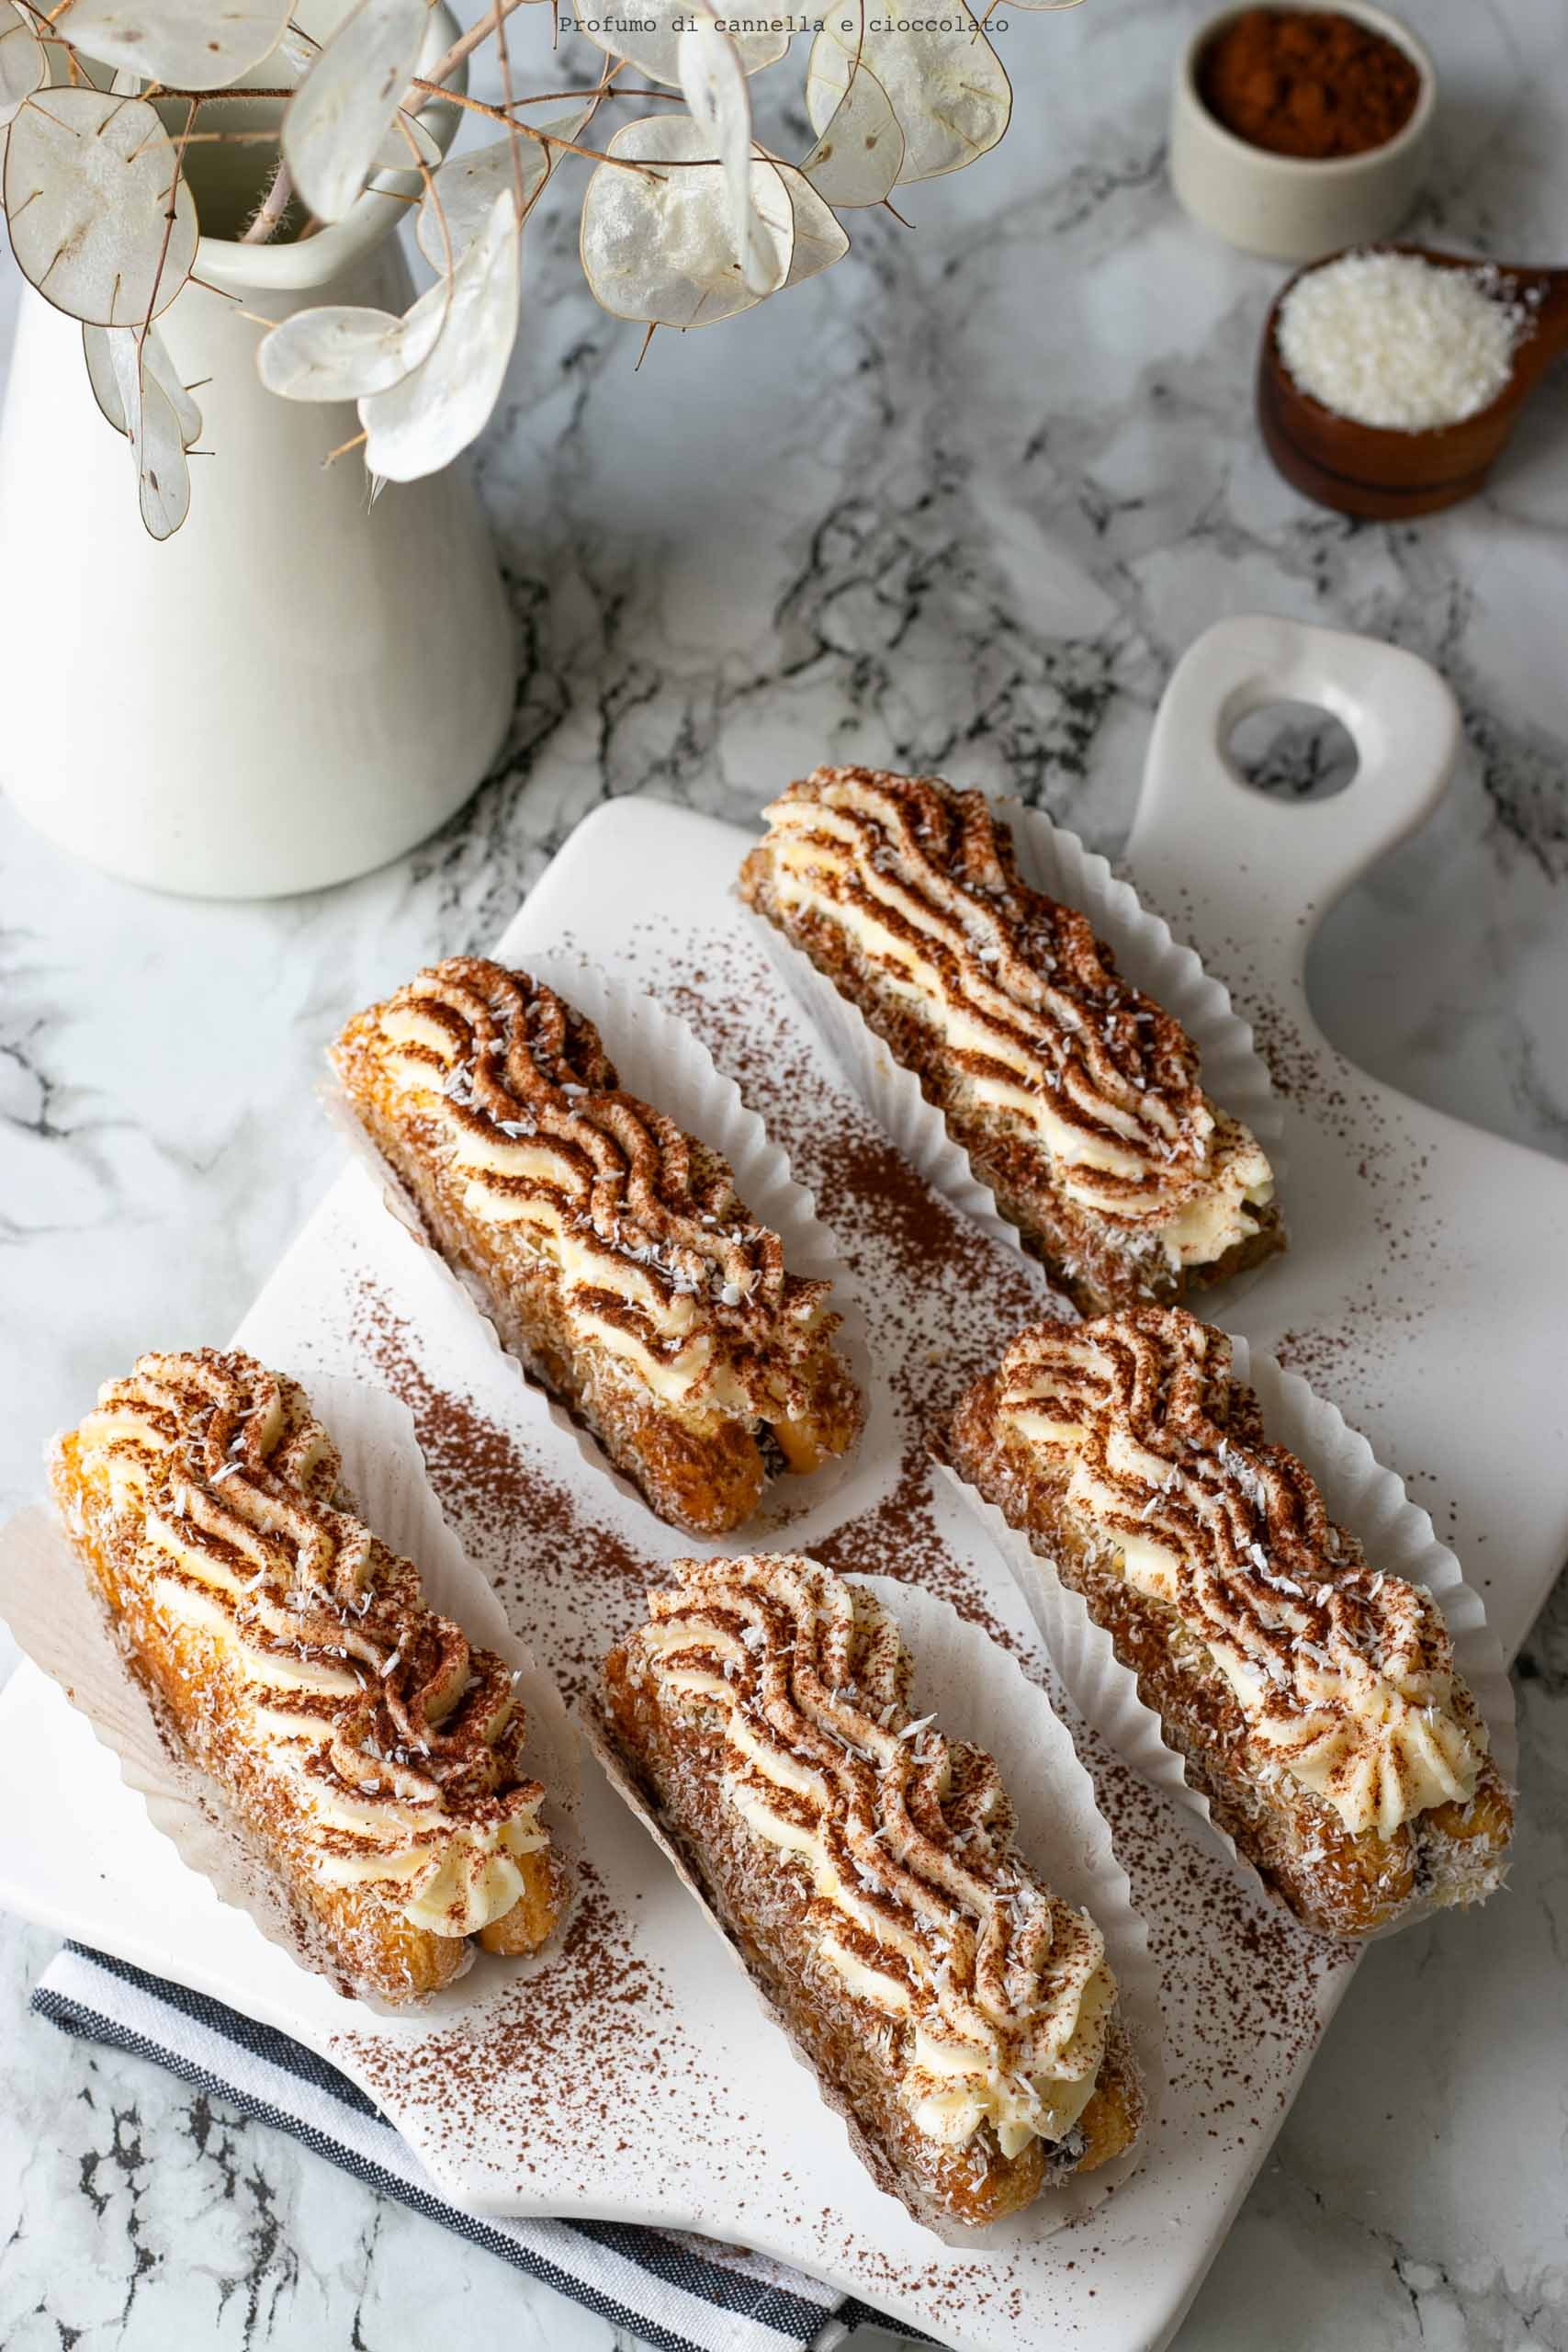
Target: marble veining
<point>961,503</point>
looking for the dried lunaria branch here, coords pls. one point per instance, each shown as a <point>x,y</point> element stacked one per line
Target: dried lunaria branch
<point>270,211</point>
<point>492,21</point>
<point>686,217</point>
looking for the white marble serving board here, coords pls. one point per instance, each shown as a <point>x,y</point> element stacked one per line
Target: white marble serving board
<point>1418,1295</point>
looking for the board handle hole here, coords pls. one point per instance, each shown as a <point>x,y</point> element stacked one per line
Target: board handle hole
<point>1292,752</point>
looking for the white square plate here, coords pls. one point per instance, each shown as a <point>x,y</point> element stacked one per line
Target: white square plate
<point>706,2122</point>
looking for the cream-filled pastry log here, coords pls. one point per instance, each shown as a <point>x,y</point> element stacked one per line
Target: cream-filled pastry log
<point>1311,1695</point>
<point>863,1862</point>
<point>614,1254</point>
<point>1078,1099</point>
<point>373,1755</point>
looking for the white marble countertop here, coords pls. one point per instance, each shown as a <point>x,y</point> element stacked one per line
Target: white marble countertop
<point>961,503</point>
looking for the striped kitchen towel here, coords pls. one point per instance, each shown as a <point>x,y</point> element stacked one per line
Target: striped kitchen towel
<point>680,2293</point>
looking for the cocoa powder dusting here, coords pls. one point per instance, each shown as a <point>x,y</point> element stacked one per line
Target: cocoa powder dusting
<point>569,1579</point>
<point>576,2017</point>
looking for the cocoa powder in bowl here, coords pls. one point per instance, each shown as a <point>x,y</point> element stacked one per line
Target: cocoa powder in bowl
<point>1307,82</point>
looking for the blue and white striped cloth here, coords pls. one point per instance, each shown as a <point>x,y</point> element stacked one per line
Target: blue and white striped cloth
<point>680,2293</point>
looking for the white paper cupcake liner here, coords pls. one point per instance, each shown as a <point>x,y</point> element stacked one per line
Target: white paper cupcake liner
<point>56,1616</point>
<point>659,1059</point>
<point>1055,861</point>
<point>977,1691</point>
<point>1361,1495</point>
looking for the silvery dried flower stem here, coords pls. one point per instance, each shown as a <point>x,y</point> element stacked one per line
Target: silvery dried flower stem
<point>274,204</point>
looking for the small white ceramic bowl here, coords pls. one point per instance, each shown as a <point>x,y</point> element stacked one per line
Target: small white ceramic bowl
<point>1292,208</point>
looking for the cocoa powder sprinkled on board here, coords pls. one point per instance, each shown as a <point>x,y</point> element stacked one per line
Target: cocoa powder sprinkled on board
<point>588,2018</point>
<point>940,1297</point>
<point>567,1578</point>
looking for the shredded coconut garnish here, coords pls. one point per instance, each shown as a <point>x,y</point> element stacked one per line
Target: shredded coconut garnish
<point>1393,341</point>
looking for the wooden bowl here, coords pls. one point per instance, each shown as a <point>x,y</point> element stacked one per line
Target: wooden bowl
<point>1383,473</point>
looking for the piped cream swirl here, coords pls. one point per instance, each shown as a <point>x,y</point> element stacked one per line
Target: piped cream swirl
<point>920,1905</point>
<point>1344,1672</point>
<point>1029,1004</point>
<point>662,1263</point>
<point>398,1744</point>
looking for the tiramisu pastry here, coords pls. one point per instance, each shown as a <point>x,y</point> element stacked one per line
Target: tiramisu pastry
<point>1311,1695</point>
<point>613,1252</point>
<point>1077,1100</point>
<point>961,2015</point>
<point>370,1754</point>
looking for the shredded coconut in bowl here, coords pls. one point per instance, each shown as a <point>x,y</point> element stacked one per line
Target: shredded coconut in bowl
<point>1388,339</point>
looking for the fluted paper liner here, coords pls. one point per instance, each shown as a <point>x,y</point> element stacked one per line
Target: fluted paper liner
<point>1361,1495</point>
<point>1053,860</point>
<point>978,1691</point>
<point>659,1059</point>
<point>51,1604</point>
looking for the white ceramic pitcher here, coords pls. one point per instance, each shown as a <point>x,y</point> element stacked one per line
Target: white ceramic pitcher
<point>297,685</point>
